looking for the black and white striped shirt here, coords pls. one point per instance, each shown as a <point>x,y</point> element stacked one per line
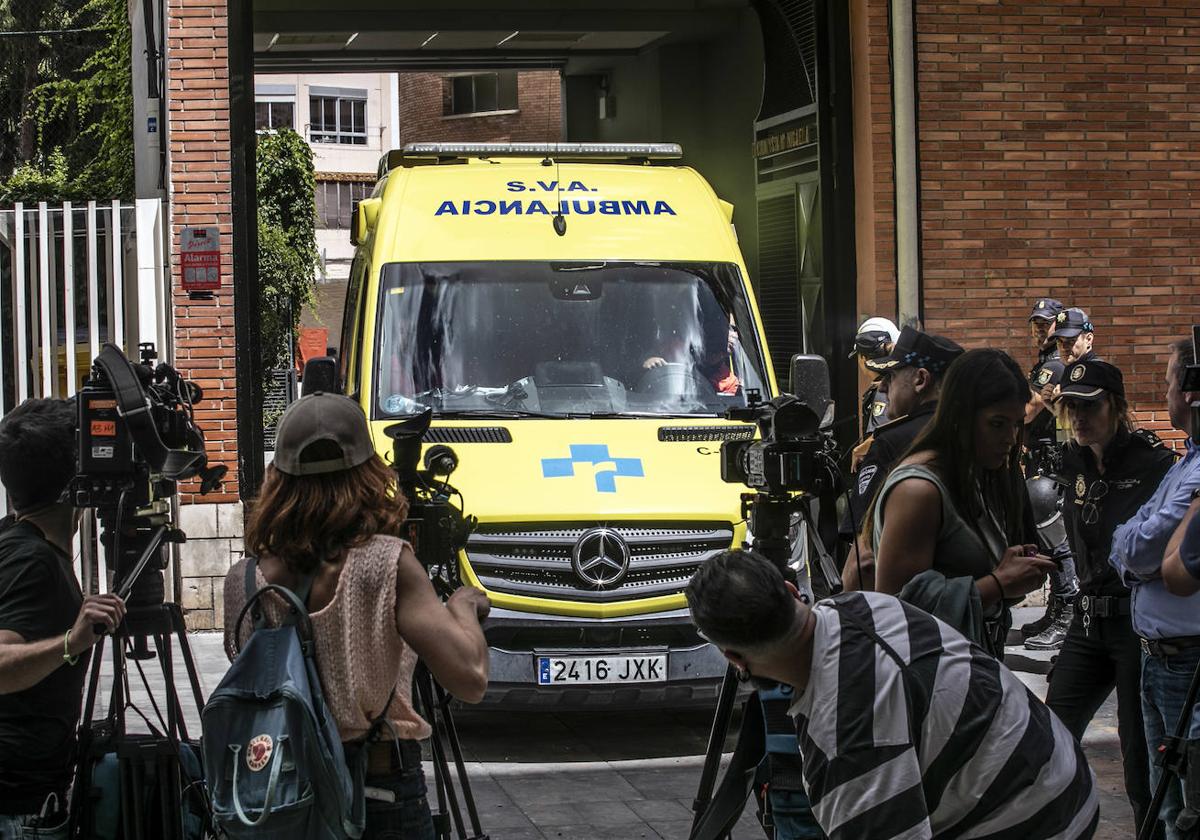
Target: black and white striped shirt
<point>952,744</point>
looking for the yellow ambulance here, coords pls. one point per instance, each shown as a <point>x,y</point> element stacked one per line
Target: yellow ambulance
<point>579,318</point>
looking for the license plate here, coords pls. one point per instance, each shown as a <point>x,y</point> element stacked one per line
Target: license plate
<point>597,670</point>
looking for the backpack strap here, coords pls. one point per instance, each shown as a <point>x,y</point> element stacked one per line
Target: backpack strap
<point>251,592</point>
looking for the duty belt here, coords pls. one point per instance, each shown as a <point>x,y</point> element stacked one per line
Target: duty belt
<point>1099,606</point>
<point>1102,606</point>
<point>1159,648</point>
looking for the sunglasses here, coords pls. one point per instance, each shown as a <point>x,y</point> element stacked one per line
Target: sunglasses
<point>1091,508</point>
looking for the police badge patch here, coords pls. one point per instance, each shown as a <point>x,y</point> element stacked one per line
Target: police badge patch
<point>877,408</point>
<point>1077,374</point>
<point>1043,376</point>
<point>1080,486</point>
<point>864,478</point>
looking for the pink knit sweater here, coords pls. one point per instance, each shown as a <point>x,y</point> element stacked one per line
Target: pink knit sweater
<point>360,653</point>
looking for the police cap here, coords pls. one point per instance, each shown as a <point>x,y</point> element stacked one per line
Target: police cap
<point>914,348</point>
<point>1046,309</point>
<point>1091,380</point>
<point>1071,322</point>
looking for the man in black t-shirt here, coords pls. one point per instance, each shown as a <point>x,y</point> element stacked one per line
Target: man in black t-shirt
<point>45,621</point>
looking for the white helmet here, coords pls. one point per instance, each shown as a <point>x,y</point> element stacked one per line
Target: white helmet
<point>878,324</point>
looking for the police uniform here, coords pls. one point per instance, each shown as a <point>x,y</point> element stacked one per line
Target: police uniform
<point>1047,371</point>
<point>1102,651</point>
<point>874,337</point>
<point>874,410</point>
<point>891,440</point>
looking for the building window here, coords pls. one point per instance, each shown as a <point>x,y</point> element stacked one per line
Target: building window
<point>336,200</point>
<point>338,119</point>
<point>479,93</point>
<point>271,115</point>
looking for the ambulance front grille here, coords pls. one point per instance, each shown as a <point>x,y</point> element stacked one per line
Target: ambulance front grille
<point>527,560</point>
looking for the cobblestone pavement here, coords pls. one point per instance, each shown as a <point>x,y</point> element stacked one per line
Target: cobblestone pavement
<point>546,776</point>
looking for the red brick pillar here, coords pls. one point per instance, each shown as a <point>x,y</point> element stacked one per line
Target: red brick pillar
<point>200,195</point>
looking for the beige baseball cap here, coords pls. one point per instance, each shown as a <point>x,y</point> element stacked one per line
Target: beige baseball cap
<point>322,417</point>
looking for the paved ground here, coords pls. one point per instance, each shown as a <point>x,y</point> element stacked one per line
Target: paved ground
<point>539,776</point>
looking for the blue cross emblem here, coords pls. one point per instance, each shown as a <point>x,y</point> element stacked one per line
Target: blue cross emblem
<point>596,454</point>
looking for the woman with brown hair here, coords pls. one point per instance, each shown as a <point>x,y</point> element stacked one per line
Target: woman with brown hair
<point>327,526</point>
<point>1109,471</point>
<point>957,503</point>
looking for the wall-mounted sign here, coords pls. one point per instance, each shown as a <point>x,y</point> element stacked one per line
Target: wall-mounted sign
<point>200,259</point>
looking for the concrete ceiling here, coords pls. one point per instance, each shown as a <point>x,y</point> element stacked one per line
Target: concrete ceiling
<point>295,35</point>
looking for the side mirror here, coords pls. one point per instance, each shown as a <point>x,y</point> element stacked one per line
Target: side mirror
<point>810,383</point>
<point>320,374</point>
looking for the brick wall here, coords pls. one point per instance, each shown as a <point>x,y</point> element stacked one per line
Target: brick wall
<point>198,125</point>
<point>538,117</point>
<point>198,122</point>
<point>1060,155</point>
<point>883,199</point>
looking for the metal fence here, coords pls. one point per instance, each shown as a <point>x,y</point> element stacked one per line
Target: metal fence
<point>73,276</point>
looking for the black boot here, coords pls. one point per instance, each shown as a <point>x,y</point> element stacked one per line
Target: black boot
<point>1036,628</point>
<point>1052,637</point>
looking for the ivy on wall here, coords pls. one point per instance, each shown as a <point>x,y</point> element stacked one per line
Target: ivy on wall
<point>288,258</point>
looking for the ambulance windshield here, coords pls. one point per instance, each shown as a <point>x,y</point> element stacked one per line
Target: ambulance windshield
<point>565,339</point>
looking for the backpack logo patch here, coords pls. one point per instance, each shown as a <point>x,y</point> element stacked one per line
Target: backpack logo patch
<point>258,753</point>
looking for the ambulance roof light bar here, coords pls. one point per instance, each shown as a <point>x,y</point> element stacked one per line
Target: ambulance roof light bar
<point>413,152</point>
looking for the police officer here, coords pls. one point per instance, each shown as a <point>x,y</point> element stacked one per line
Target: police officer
<point>874,340</point>
<point>910,378</point>
<point>1109,471</point>
<point>1047,371</point>
<point>1075,335</point>
<point>1049,631</point>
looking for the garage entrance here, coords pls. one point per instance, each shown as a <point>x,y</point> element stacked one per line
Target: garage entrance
<point>757,92</point>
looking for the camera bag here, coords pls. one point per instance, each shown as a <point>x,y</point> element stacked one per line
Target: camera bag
<point>273,758</point>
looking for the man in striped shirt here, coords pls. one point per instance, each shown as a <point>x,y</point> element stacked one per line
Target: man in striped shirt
<point>907,730</point>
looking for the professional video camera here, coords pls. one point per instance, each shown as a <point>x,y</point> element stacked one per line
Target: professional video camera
<point>137,438</point>
<point>436,527</point>
<point>794,472</point>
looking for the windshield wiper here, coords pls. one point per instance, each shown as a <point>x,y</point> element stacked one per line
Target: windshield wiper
<point>508,413</point>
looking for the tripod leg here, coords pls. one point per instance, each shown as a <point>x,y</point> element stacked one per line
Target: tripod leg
<point>460,766</point>
<point>80,810</point>
<point>189,662</point>
<point>440,764</point>
<point>716,740</point>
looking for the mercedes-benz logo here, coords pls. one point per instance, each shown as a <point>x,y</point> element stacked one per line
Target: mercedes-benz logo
<point>600,558</point>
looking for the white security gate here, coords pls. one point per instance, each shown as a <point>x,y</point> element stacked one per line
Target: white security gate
<point>73,276</point>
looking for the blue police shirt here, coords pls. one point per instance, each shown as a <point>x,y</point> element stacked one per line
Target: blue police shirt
<point>1189,549</point>
<point>1137,555</point>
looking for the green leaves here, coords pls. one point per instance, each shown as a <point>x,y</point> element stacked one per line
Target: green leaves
<point>81,108</point>
<point>288,259</point>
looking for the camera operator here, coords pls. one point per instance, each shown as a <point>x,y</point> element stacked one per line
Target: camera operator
<point>906,729</point>
<point>1168,625</point>
<point>957,504</point>
<point>330,517</point>
<point>45,621</point>
<point>910,379</point>
<point>1041,442</point>
<point>1110,470</point>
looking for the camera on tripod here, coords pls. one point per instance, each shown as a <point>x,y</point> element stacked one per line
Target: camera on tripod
<point>137,438</point>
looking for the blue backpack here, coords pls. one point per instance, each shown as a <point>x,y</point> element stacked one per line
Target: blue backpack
<point>273,759</point>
